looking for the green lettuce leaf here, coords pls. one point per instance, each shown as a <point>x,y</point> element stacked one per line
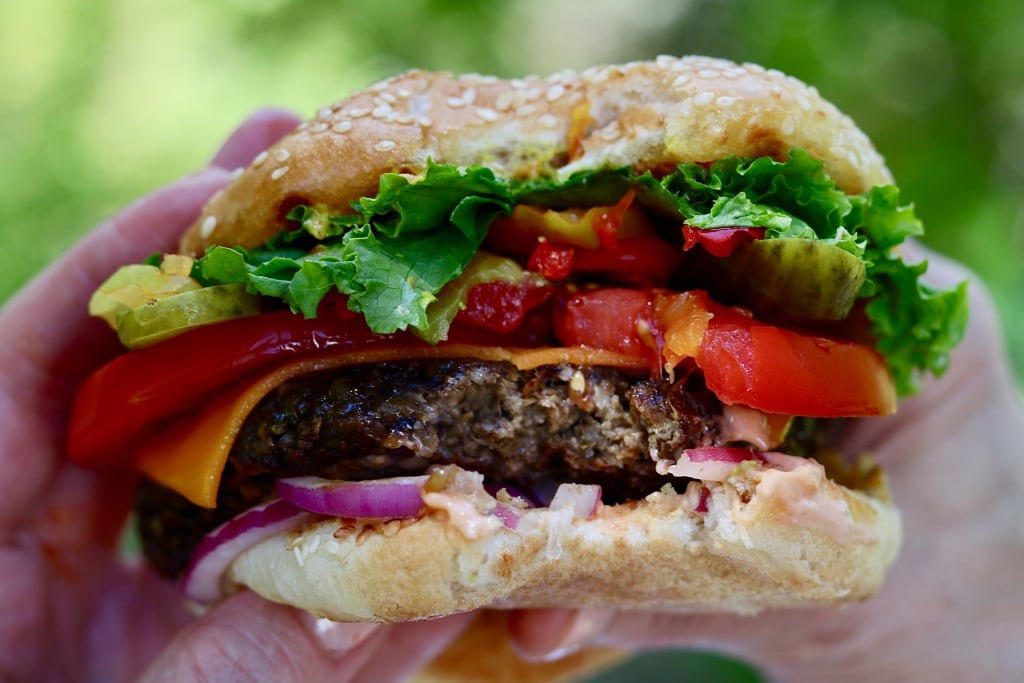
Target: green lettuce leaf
<point>395,251</point>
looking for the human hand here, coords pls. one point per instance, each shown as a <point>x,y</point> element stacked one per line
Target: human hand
<point>71,608</point>
<point>952,608</point>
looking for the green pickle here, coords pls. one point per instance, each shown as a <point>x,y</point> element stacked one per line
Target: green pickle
<point>794,278</point>
<point>160,319</point>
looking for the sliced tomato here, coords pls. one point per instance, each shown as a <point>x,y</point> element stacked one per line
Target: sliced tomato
<point>615,319</point>
<point>783,371</point>
<point>772,369</point>
<point>135,391</point>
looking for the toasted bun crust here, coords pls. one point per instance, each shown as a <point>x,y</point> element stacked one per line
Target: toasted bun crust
<point>649,115</point>
<point>769,538</point>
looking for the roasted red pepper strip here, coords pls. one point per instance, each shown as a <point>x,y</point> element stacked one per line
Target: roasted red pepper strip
<point>607,224</point>
<point>552,261</point>
<point>719,242</point>
<point>133,392</point>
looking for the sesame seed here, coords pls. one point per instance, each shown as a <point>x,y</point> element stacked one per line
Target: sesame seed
<point>487,114</point>
<point>281,154</point>
<point>425,122</point>
<point>358,112</point>
<point>206,229</point>
<point>804,103</point>
<point>385,98</point>
<point>324,112</point>
<point>379,85</point>
<point>298,556</point>
<point>260,158</point>
<point>554,92</point>
<point>405,119</point>
<point>469,97</point>
<point>548,120</point>
<point>278,172</point>
<point>318,127</point>
<point>381,111</point>
<point>456,102</point>
<point>517,83</point>
<point>709,73</point>
<point>342,127</point>
<point>611,133</point>
<point>681,80</point>
<point>332,546</point>
<point>403,93</point>
<point>532,94</point>
<point>704,98</point>
<point>725,101</point>
<point>504,101</point>
<point>526,110</point>
<point>384,146</point>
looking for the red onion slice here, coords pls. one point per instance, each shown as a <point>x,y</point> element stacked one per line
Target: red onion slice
<point>220,547</point>
<point>393,498</point>
<point>712,463</point>
<point>508,514</point>
<point>584,499</point>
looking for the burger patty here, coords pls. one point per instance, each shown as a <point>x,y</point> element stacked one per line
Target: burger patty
<point>520,428</point>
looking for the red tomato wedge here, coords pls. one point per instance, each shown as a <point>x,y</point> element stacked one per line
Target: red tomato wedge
<point>772,369</point>
<point>781,371</point>
<point>610,318</point>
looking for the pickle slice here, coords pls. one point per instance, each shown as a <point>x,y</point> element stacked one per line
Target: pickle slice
<point>160,319</point>
<point>794,278</point>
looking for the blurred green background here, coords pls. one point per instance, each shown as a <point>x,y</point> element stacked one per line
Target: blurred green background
<point>103,100</point>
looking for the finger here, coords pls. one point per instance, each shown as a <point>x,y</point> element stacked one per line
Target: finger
<point>262,129</point>
<point>247,638</point>
<point>546,635</point>
<point>47,339</point>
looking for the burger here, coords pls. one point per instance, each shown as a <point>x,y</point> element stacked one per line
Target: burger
<point>586,340</point>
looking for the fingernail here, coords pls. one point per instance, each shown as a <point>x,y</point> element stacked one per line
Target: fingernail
<point>339,637</point>
<point>578,632</point>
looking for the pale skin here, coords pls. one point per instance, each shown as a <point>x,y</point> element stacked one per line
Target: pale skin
<point>71,610</point>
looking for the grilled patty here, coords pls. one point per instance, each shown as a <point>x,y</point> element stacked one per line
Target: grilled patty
<point>521,428</point>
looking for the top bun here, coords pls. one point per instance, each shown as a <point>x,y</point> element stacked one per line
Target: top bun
<point>648,115</point>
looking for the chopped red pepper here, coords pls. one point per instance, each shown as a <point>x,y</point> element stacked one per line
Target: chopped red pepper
<point>720,242</point>
<point>607,224</point>
<point>551,261</point>
<point>640,261</point>
<point>501,306</point>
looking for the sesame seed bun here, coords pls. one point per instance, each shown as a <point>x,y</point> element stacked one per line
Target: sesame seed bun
<point>648,115</point>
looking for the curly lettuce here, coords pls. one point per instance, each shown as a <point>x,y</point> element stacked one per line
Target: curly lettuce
<point>394,252</point>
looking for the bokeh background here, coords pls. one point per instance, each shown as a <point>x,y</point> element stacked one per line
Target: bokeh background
<point>103,100</point>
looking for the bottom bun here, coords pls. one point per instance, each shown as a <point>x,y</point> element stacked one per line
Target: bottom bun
<point>766,537</point>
